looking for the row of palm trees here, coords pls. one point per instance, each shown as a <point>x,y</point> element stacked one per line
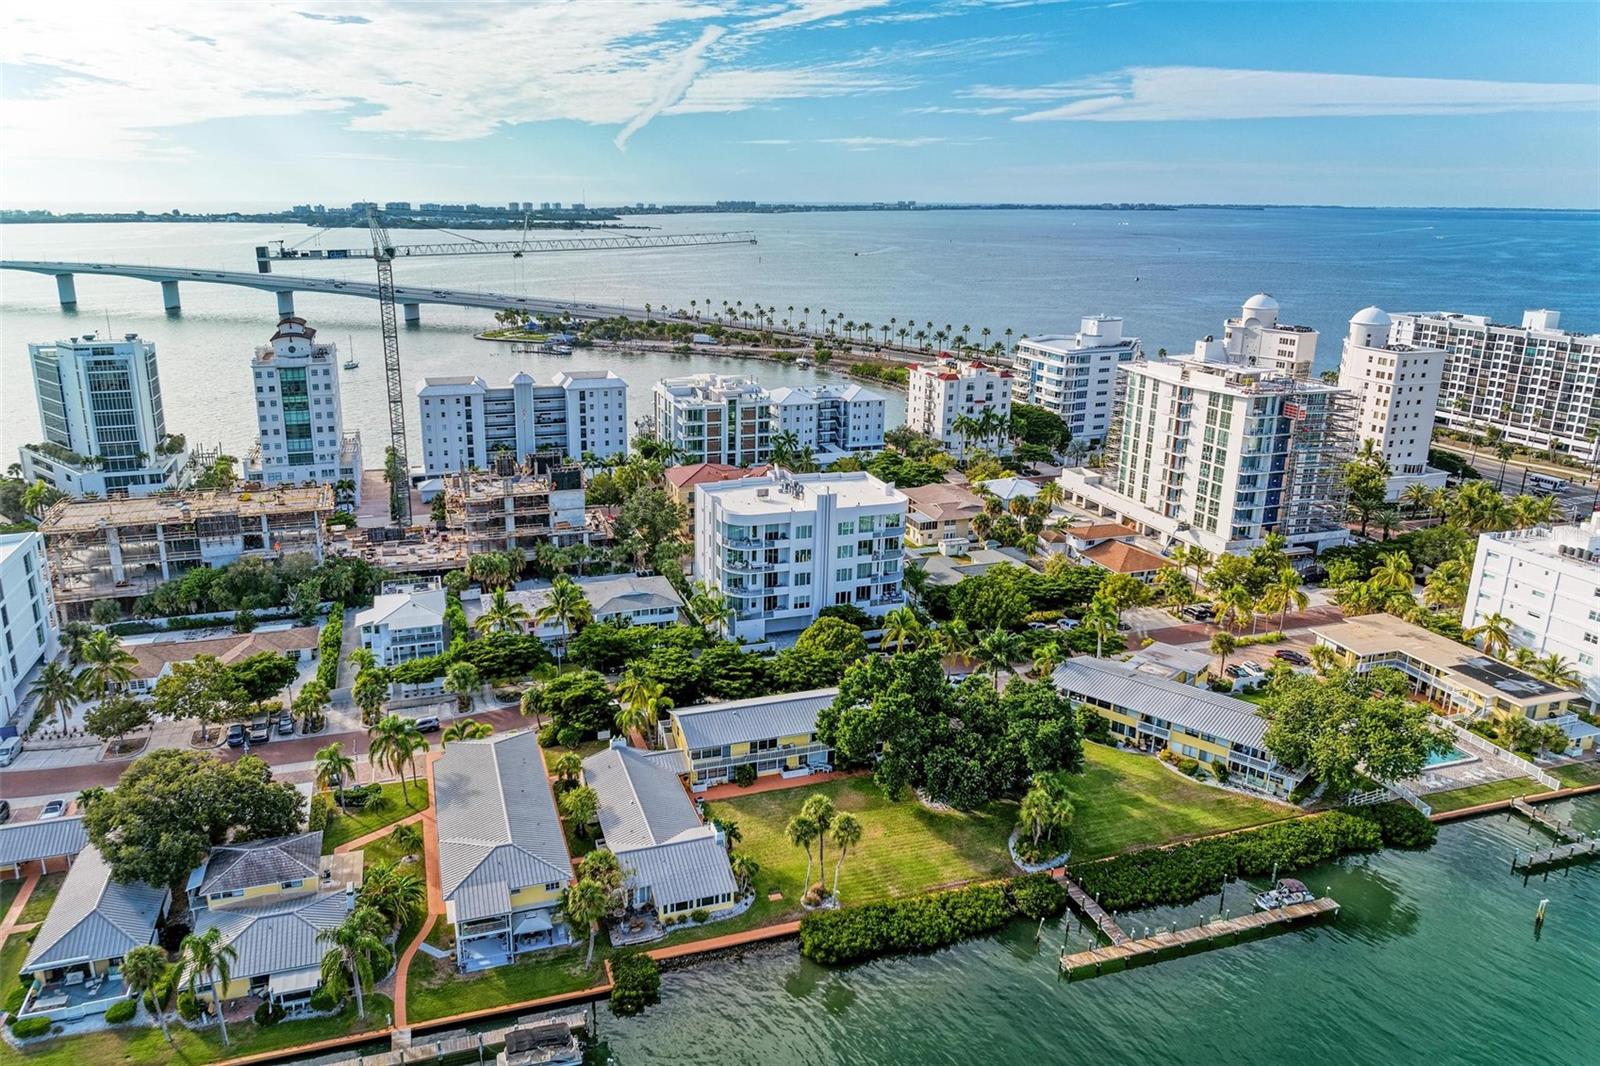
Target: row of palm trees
<point>733,313</point>
<point>105,664</point>
<point>1477,507</point>
<point>817,824</point>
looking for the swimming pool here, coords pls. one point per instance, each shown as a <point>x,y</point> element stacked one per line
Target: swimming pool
<point>1449,758</point>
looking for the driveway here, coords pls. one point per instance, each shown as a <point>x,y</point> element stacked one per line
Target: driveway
<point>1200,632</point>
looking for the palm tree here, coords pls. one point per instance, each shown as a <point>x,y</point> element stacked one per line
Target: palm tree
<point>207,958</point>
<point>334,767</point>
<point>845,832</point>
<point>466,729</point>
<point>56,691</point>
<point>901,627</point>
<point>802,833</point>
<point>567,767</point>
<point>142,969</point>
<point>997,650</point>
<point>1050,494</point>
<point>1393,573</point>
<point>462,679</point>
<point>1101,619</point>
<point>1323,659</point>
<point>105,664</point>
<point>1044,810</point>
<point>819,811</point>
<point>352,945</point>
<point>585,903</point>
<point>1529,511</point>
<point>1446,587</point>
<point>643,707</point>
<point>708,606</point>
<point>393,744</point>
<point>565,604</point>
<point>1224,644</point>
<point>1504,452</point>
<point>1283,593</point>
<point>399,895</point>
<point>1496,633</point>
<point>1388,520</point>
<point>1236,607</point>
<point>503,615</point>
<point>1417,496</point>
<point>1555,670</point>
<point>361,660</point>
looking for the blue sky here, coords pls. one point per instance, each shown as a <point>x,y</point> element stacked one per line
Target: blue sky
<point>173,104</point>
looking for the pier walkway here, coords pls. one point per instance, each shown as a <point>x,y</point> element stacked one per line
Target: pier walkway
<point>1095,913</point>
<point>1562,830</point>
<point>1120,956</point>
<point>1561,853</point>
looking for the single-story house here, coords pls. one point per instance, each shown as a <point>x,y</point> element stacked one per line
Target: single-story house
<point>1119,557</point>
<point>75,962</point>
<point>1011,488</point>
<point>626,598</point>
<point>775,734</point>
<point>503,859</point>
<point>48,842</point>
<point>944,571</point>
<point>1080,539</point>
<point>155,659</point>
<point>673,863</point>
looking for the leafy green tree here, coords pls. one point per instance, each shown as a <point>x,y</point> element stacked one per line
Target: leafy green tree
<point>566,605</point>
<point>834,636</point>
<point>580,806</point>
<point>116,716</point>
<point>264,675</point>
<point>1366,482</point>
<point>202,690</point>
<point>997,598</point>
<point>400,895</point>
<point>463,680</point>
<point>354,946</point>
<point>567,766</point>
<point>1042,726</point>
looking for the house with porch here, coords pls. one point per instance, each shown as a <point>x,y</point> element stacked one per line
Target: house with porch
<point>404,625</point>
<point>625,599</point>
<point>51,842</point>
<point>74,969</point>
<point>673,863</point>
<point>269,900</point>
<point>775,734</point>
<point>503,859</point>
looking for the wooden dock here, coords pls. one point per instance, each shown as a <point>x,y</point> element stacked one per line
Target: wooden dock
<point>1577,851</point>
<point>1095,961</point>
<point>1563,830</point>
<point>1096,914</point>
<point>458,1042</point>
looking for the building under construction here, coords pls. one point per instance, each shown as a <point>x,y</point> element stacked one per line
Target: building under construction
<point>517,507</point>
<point>119,549</point>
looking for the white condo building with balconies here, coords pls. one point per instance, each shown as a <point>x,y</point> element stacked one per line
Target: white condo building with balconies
<point>781,548</point>
<point>714,418</point>
<point>832,420</point>
<point>105,432</point>
<point>1075,375</point>
<point>1537,383</point>
<point>299,418</point>
<point>1546,581</point>
<point>1397,387</point>
<point>944,396</point>
<point>27,618</point>
<point>465,421</point>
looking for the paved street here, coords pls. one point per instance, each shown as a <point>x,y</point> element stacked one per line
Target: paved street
<point>1200,632</point>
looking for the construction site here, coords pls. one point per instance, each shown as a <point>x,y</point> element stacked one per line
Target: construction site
<point>516,506</point>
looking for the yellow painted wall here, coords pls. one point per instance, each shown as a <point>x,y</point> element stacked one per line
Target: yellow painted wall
<point>1179,737</point>
<point>662,915</point>
<point>258,894</point>
<point>738,749</point>
<point>798,740</point>
<point>533,896</point>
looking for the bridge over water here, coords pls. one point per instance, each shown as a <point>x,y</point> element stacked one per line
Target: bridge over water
<point>409,297</point>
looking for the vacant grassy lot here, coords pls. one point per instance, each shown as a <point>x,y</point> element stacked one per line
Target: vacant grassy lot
<point>346,827</point>
<point>1123,800</point>
<point>1575,774</point>
<point>1488,792</point>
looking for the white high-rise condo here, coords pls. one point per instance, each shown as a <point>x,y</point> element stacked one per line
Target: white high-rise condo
<point>1075,374</point>
<point>27,617</point>
<point>961,405</point>
<point>1546,581</point>
<point>832,420</point>
<point>1208,450</point>
<point>781,548</point>
<point>1397,387</point>
<point>1258,339</point>
<point>104,430</point>
<point>1538,383</point>
<point>300,421</point>
<point>714,418</point>
<point>465,422</point>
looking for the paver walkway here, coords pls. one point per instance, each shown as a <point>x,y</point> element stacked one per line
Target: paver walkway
<point>378,834</point>
<point>430,865</point>
<point>772,783</point>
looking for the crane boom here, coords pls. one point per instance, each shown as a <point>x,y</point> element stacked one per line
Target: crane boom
<point>395,463</point>
<point>276,250</point>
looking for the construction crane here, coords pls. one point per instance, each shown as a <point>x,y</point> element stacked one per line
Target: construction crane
<point>384,251</point>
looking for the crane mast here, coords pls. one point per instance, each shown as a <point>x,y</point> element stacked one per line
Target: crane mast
<point>397,468</point>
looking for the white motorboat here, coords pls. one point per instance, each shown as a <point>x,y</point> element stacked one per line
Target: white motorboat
<point>1287,893</point>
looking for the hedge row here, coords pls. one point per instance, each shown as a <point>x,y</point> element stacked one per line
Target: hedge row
<point>328,646</point>
<point>925,923</point>
<point>1185,872</point>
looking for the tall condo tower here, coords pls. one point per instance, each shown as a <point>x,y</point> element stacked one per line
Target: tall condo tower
<point>1397,387</point>
<point>300,422</point>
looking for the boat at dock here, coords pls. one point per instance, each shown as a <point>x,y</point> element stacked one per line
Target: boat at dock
<point>551,1043</point>
<point>1287,893</point>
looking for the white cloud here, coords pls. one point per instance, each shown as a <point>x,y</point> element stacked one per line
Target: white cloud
<point>676,85</point>
<point>883,142</point>
<point>961,110</point>
<point>1175,94</point>
<point>807,11</point>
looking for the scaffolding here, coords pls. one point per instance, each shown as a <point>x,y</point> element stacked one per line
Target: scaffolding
<point>1322,440</point>
<point>517,507</point>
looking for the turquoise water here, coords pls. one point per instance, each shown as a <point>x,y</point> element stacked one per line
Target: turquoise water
<point>1434,959</point>
<point>1453,755</point>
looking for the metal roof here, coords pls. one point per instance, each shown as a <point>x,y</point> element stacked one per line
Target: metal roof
<point>277,938</point>
<point>262,862</point>
<point>498,827</point>
<point>641,801</point>
<point>1194,709</point>
<point>405,610</point>
<point>50,838</point>
<point>690,868</point>
<point>712,725</point>
<point>608,595</point>
<point>94,917</point>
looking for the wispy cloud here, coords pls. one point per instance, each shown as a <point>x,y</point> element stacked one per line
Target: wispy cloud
<point>1000,110</point>
<point>676,85</point>
<point>1187,94</point>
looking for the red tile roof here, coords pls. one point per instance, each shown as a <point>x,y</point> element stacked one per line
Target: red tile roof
<point>708,473</point>
<point>1125,558</point>
<point>1101,531</point>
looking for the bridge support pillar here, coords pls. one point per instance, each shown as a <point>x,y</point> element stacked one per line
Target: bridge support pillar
<point>413,313</point>
<point>169,295</point>
<point>285,304</point>
<point>66,290</point>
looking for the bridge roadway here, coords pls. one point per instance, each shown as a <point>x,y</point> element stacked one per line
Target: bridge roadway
<point>410,297</point>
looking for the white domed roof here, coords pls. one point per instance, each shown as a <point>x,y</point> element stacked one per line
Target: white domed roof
<point>521,378</point>
<point>1261,302</point>
<point>1370,316</point>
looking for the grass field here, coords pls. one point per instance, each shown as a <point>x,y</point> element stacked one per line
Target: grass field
<point>1574,775</point>
<point>13,953</point>
<point>1458,798</point>
<point>346,827</point>
<point>8,892</point>
<point>434,989</point>
<point>145,1045</point>
<point>44,894</point>
<point>1123,800</point>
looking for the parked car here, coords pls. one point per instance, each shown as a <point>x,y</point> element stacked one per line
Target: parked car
<point>1289,655</point>
<point>286,724</point>
<point>260,729</point>
<point>5,811</point>
<point>1038,625</point>
<point>10,748</point>
<point>1234,670</point>
<point>54,809</point>
<point>1123,627</point>
<point>236,735</point>
<point>1066,623</point>
<point>1198,612</point>
<point>1252,668</point>
<point>428,723</point>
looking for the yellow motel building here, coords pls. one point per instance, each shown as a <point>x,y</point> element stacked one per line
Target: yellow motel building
<point>1153,713</point>
<point>775,734</point>
<point>503,859</point>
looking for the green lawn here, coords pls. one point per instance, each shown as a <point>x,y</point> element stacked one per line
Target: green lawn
<point>1123,800</point>
<point>13,953</point>
<point>434,989</point>
<point>140,1045</point>
<point>8,893</point>
<point>346,827</point>
<point>905,848</point>
<point>1457,798</point>
<point>44,894</point>
<point>1576,774</point>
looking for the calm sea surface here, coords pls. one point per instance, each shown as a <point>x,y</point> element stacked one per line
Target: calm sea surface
<point>1173,275</point>
<point>1433,960</point>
